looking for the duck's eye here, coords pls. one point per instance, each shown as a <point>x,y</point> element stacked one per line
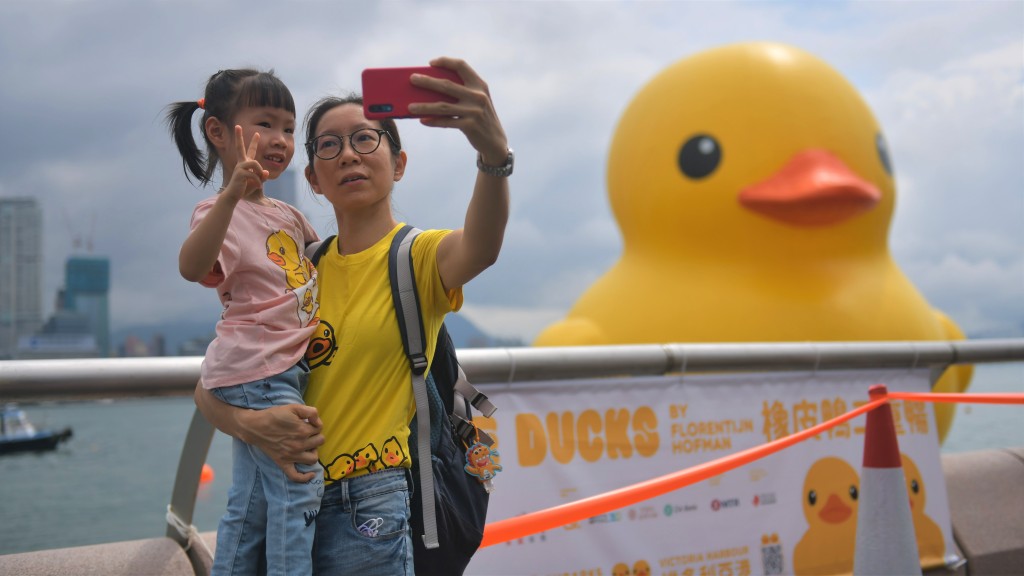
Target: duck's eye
<point>853,492</point>
<point>914,486</point>
<point>699,156</point>
<point>812,497</point>
<point>883,153</point>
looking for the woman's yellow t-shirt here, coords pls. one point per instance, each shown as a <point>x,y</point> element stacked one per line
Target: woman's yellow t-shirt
<point>360,379</point>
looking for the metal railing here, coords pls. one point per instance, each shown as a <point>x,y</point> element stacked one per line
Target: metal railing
<point>24,379</point>
<point>27,379</point>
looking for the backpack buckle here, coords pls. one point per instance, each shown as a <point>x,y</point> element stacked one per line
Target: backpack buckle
<point>419,363</point>
<point>468,433</point>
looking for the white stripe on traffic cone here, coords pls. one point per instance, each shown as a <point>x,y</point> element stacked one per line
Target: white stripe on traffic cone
<point>886,544</point>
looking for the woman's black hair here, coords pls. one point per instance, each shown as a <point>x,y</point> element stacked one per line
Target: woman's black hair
<point>326,104</point>
<point>227,92</point>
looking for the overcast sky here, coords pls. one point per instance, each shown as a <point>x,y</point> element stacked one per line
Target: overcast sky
<point>85,84</point>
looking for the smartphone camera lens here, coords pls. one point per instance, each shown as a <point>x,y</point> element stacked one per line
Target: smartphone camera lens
<point>381,108</point>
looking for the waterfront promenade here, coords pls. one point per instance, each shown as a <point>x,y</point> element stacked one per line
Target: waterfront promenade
<point>986,500</point>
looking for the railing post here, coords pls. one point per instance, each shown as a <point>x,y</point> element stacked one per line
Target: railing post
<point>190,468</point>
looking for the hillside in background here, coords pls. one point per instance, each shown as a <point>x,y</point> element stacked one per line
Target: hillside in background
<point>189,338</point>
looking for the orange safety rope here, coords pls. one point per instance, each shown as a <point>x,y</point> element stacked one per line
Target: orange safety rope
<point>1009,398</point>
<point>534,522</point>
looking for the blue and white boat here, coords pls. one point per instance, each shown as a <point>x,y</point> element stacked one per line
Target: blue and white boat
<point>17,434</point>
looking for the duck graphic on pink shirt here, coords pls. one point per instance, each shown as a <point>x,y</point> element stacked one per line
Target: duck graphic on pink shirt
<point>300,275</point>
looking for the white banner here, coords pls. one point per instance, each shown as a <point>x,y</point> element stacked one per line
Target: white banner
<point>793,512</point>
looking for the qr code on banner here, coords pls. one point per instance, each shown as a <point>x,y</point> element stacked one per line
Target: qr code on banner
<point>771,560</point>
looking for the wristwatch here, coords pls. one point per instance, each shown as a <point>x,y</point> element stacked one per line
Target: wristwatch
<point>501,171</point>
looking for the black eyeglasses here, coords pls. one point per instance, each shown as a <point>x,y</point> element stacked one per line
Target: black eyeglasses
<point>363,141</point>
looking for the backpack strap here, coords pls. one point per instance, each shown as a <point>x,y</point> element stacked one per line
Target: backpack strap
<point>410,324</point>
<point>314,250</point>
<point>406,299</point>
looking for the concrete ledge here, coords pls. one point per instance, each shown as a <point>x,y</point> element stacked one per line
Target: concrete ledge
<point>201,561</point>
<point>151,557</point>
<point>986,503</point>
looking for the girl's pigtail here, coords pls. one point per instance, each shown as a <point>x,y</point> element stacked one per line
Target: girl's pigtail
<point>179,121</point>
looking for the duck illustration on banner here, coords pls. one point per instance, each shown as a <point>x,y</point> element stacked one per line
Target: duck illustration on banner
<point>830,497</point>
<point>930,543</point>
<point>754,190</point>
<point>831,494</point>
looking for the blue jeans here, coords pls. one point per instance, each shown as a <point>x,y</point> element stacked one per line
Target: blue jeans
<point>264,506</point>
<point>363,526</point>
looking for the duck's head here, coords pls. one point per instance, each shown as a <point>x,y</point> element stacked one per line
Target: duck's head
<point>282,250</point>
<point>753,148</point>
<point>915,485</point>
<point>322,346</point>
<point>831,492</point>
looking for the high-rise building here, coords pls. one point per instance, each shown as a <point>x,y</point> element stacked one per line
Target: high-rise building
<point>67,334</point>
<point>283,188</point>
<point>87,282</point>
<point>21,270</point>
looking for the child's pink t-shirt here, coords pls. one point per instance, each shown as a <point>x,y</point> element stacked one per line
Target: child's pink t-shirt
<point>268,289</point>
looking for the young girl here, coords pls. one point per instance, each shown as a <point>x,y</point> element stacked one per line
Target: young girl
<point>250,248</point>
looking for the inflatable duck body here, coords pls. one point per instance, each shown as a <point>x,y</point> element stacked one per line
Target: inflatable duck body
<point>754,191</point>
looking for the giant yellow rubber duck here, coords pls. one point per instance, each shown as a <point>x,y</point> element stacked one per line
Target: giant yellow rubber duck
<point>754,191</point>
<point>830,497</point>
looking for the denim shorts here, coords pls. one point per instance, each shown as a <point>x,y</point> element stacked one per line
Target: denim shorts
<point>363,526</point>
<point>267,512</point>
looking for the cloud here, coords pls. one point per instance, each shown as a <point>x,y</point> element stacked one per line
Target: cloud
<point>86,84</point>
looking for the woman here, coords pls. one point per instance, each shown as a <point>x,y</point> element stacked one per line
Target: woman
<point>360,388</point>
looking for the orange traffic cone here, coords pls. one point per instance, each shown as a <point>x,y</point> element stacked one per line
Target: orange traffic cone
<point>886,544</point>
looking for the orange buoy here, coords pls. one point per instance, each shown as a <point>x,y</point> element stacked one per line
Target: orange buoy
<point>206,475</point>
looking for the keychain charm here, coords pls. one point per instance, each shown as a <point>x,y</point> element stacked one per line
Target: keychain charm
<point>482,462</point>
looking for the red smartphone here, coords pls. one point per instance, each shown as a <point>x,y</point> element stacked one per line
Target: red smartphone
<point>387,92</point>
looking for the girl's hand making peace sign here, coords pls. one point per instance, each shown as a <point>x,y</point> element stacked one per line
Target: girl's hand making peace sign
<point>248,175</point>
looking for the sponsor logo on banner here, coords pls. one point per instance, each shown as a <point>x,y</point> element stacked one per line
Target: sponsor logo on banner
<point>765,499</point>
<point>606,518</point>
<point>717,504</point>
<point>642,513</point>
<point>671,509</point>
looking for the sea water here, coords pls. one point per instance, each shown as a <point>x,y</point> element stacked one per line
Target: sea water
<point>113,480</point>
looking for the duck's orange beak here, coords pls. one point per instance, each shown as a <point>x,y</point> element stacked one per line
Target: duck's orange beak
<point>834,511</point>
<point>815,188</point>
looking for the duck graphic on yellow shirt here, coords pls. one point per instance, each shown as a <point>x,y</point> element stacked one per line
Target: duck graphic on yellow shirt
<point>339,468</point>
<point>391,455</point>
<point>754,190</point>
<point>366,456</point>
<point>931,545</point>
<point>322,346</point>
<point>830,493</point>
